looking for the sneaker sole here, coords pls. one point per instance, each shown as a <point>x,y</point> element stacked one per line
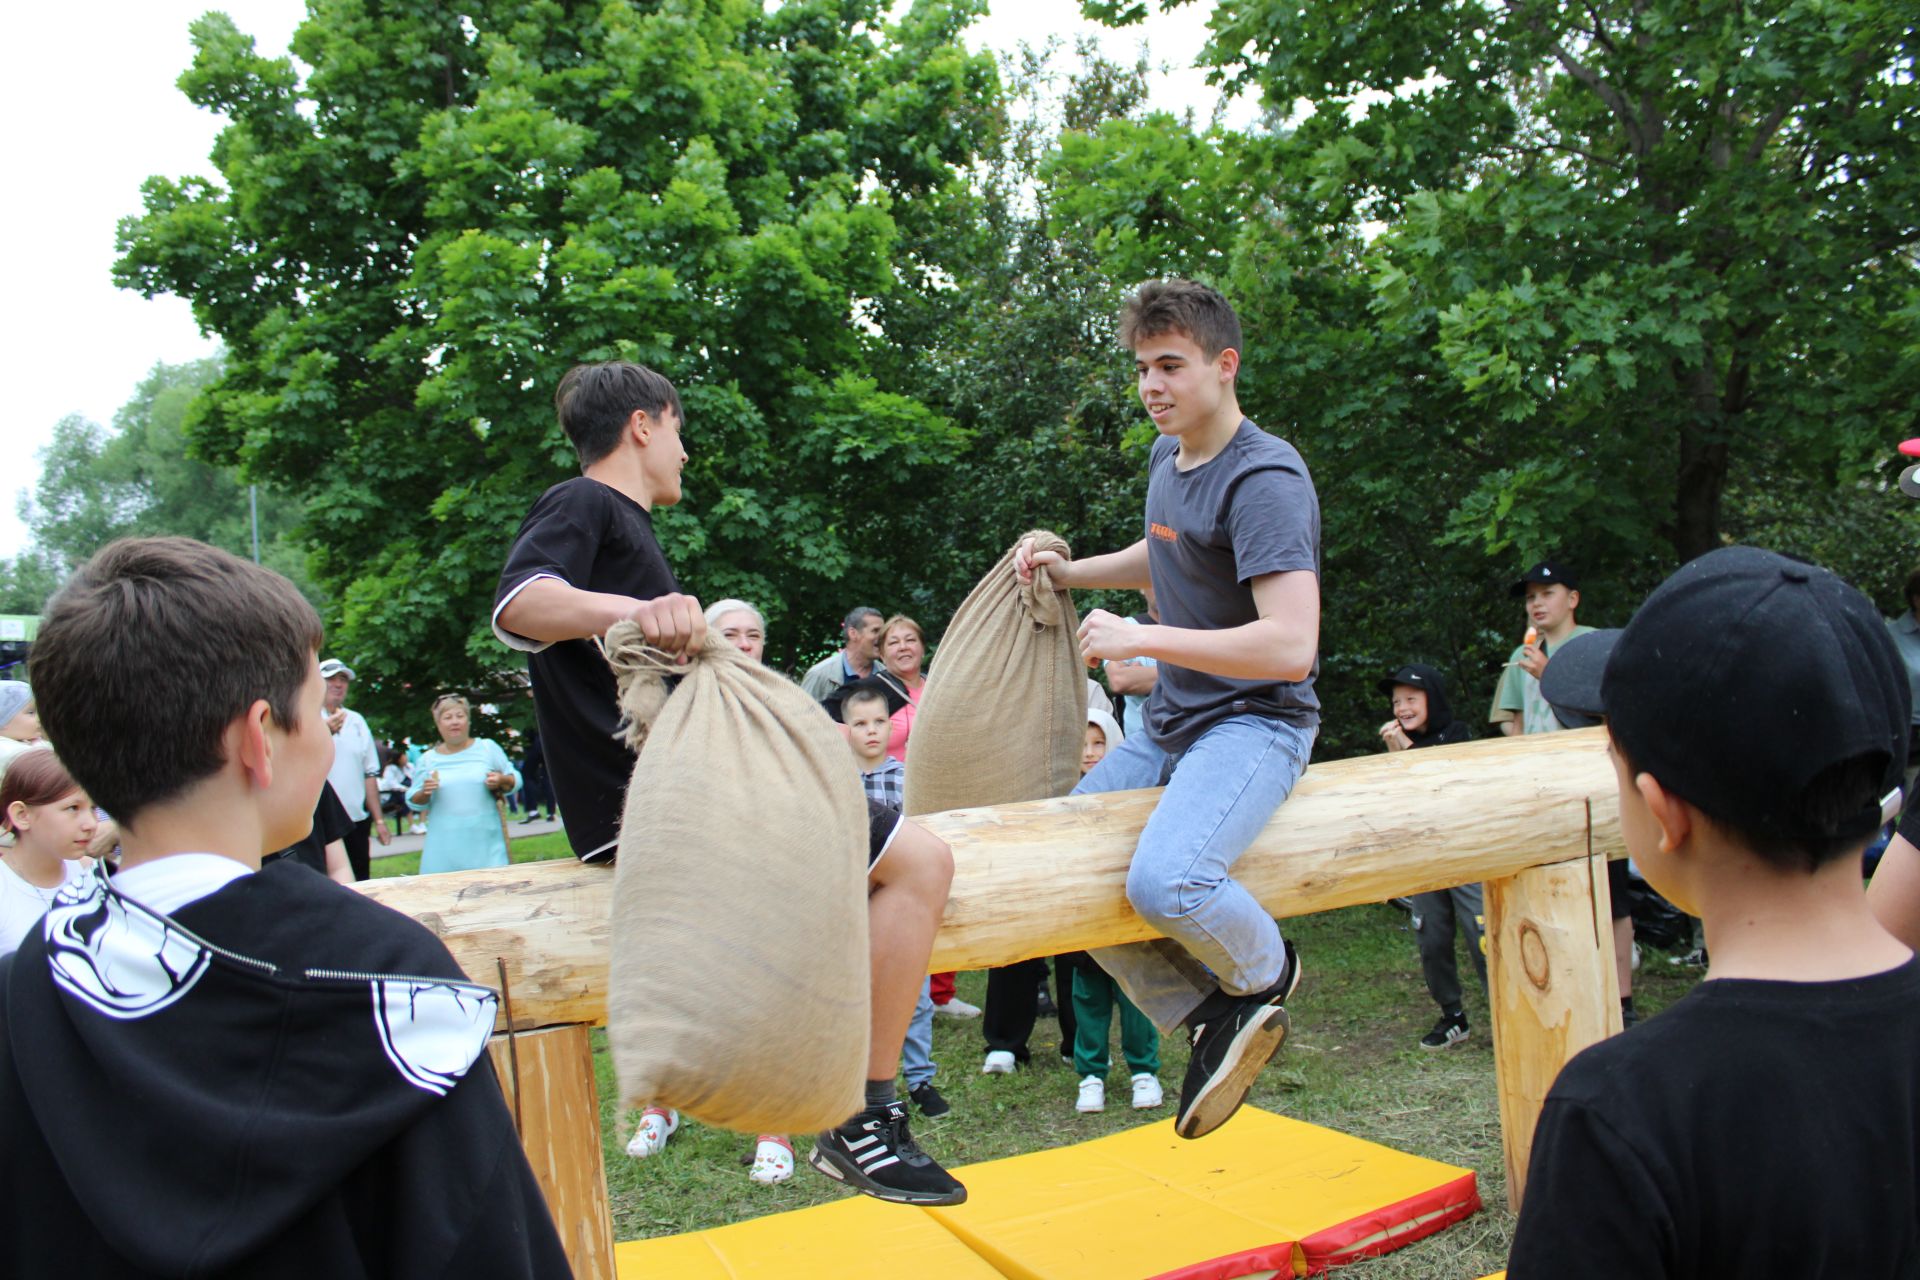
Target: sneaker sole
<point>829,1163</point>
<point>1444,1044</point>
<point>1247,1056</point>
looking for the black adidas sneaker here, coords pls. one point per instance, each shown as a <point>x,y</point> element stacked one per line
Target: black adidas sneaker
<point>875,1154</point>
<point>1229,1048</point>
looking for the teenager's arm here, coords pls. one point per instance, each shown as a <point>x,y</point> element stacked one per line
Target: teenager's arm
<point>1126,568</point>
<point>1894,894</point>
<point>338,868</point>
<point>547,609</point>
<point>1132,679</point>
<point>1279,645</point>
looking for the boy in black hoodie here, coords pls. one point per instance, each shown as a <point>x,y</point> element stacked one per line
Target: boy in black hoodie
<point>1422,717</point>
<point>212,1069</point>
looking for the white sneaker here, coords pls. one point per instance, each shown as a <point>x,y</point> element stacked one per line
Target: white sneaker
<point>657,1124</point>
<point>999,1063</point>
<point>957,1008</point>
<point>1146,1091</point>
<point>1093,1095</point>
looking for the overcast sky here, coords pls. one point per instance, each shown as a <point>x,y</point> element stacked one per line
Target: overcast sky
<point>91,91</point>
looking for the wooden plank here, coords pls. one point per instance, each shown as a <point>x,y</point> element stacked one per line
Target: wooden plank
<point>1553,989</point>
<point>1049,876</point>
<point>557,1109</point>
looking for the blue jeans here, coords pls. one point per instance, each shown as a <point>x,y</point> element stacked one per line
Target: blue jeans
<point>916,1051</point>
<point>1220,793</point>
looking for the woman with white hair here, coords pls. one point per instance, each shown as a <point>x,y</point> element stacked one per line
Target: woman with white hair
<point>459,783</point>
<point>741,626</point>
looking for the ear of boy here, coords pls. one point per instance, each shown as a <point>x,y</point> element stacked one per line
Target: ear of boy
<point>1761,921</point>
<point>260,799</point>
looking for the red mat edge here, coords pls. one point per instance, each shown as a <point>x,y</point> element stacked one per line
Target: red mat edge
<point>1394,1226</point>
<point>1371,1234</point>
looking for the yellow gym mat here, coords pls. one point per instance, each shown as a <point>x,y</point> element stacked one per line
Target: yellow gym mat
<point>858,1238</point>
<point>1263,1196</point>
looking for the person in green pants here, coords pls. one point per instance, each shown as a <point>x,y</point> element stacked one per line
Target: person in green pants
<point>1095,993</point>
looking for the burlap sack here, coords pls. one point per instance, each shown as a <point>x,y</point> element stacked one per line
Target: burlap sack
<point>739,988</point>
<point>1004,714</point>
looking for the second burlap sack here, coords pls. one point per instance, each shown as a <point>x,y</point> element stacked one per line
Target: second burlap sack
<point>738,988</point>
<point>1004,715</point>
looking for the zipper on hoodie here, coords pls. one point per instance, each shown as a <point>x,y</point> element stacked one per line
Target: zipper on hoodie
<point>347,975</point>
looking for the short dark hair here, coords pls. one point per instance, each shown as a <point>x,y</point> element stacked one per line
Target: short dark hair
<point>859,697</point>
<point>858,617</point>
<point>1180,306</point>
<point>594,402</point>
<point>1913,589</point>
<point>1808,834</point>
<point>151,650</point>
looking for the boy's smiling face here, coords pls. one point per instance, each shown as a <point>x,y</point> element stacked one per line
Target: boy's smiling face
<point>1179,386</point>
<point>1550,604</point>
<point>1410,707</point>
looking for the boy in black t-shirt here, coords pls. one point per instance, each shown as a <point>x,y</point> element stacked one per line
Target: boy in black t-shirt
<point>585,558</point>
<point>1767,1124</point>
<point>1232,552</point>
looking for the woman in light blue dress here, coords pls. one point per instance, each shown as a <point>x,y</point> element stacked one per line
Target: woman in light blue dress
<point>457,784</point>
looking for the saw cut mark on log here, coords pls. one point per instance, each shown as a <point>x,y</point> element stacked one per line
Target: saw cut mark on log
<point>1049,876</point>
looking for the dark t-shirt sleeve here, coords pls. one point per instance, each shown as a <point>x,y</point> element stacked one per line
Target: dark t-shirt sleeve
<point>560,536</point>
<point>1591,1209</point>
<point>1274,521</point>
<point>330,820</point>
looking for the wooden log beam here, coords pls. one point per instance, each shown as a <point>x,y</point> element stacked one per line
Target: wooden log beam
<point>1049,876</point>
<point>547,1076</point>
<point>1553,988</point>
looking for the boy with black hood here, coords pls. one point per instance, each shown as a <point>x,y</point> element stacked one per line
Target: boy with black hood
<point>1767,1124</point>
<point>208,1068</point>
<point>1422,717</point>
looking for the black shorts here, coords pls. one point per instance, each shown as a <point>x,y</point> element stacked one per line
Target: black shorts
<point>883,823</point>
<point>1619,888</point>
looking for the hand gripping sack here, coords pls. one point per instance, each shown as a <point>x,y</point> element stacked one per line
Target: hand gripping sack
<point>1004,715</point>
<point>738,985</point>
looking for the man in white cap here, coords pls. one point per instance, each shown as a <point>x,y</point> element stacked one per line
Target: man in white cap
<point>355,775</point>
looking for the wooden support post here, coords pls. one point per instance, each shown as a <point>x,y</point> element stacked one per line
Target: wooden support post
<point>558,1114</point>
<point>1552,987</point>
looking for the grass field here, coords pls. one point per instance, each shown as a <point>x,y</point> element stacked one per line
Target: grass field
<point>524,849</point>
<point>1353,1064</point>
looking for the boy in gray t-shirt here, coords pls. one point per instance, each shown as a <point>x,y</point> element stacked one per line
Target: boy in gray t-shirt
<point>1232,551</point>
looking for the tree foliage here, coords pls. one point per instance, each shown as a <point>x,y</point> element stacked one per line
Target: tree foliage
<point>407,245</point>
<point>139,478</point>
<point>1607,281</point>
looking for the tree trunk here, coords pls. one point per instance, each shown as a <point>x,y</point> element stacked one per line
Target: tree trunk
<point>1702,473</point>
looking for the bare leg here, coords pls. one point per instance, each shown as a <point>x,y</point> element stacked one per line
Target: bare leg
<point>1623,954</point>
<point>907,894</point>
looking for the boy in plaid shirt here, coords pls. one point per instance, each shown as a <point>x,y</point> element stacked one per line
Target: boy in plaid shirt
<point>864,712</point>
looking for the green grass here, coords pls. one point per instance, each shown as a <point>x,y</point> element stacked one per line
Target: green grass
<point>1353,1064</point>
<point>524,849</point>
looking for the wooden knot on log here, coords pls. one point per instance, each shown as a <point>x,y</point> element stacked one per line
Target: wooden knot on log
<point>1533,956</point>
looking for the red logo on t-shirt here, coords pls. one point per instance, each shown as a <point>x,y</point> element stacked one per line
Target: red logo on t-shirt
<point>1161,532</point>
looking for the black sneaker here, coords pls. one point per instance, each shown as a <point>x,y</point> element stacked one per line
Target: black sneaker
<point>1228,1051</point>
<point>873,1153</point>
<point>1694,959</point>
<point>927,1098</point>
<point>1448,1032</point>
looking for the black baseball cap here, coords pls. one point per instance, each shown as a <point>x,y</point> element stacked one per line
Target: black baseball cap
<point>1546,571</point>
<point>1414,676</point>
<point>1744,676</point>
<point>1571,682</point>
